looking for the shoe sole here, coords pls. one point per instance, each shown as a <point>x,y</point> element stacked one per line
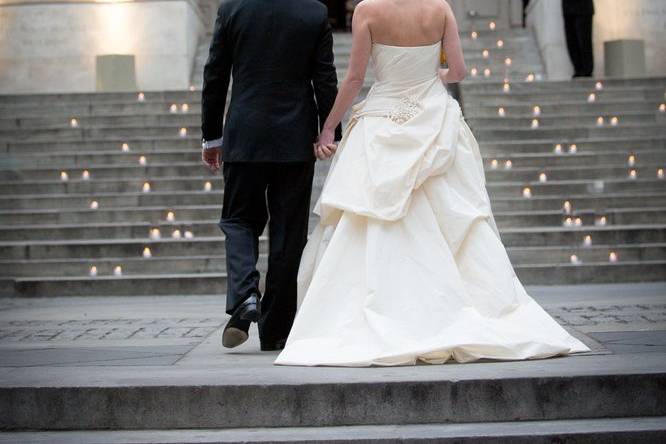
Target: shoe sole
<point>233,337</point>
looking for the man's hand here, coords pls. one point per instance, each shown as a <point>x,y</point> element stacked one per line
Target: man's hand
<point>211,157</point>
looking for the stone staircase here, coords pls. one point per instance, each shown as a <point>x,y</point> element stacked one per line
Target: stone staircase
<point>105,194</point>
<point>563,183</point>
<point>528,403</point>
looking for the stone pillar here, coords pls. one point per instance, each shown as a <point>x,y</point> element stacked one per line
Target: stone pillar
<point>624,58</point>
<point>52,47</point>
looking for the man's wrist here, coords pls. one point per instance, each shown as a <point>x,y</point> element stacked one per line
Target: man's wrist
<point>210,144</point>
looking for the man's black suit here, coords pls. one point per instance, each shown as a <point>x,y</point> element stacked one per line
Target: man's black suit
<point>280,55</point>
<point>578,29</point>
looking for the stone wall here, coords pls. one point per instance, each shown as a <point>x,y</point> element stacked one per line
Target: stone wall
<point>635,19</point>
<point>51,46</point>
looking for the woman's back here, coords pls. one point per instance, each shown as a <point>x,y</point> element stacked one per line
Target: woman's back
<point>406,22</point>
<point>411,23</point>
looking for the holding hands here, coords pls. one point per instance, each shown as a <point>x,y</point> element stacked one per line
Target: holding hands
<point>325,146</point>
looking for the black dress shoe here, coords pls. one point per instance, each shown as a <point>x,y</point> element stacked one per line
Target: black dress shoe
<point>271,346</point>
<point>236,330</point>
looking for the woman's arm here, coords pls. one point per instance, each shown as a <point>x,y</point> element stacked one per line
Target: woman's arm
<point>457,69</point>
<point>353,82</point>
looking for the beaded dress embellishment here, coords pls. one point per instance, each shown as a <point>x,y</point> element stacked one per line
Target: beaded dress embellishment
<point>405,110</point>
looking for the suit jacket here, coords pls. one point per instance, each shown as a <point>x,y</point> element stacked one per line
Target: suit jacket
<point>578,7</point>
<point>280,55</point>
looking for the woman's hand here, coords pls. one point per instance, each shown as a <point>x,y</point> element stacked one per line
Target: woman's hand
<point>325,146</point>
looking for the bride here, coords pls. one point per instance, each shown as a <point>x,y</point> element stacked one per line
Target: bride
<point>406,263</point>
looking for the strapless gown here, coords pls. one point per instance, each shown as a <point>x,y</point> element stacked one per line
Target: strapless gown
<point>406,263</point>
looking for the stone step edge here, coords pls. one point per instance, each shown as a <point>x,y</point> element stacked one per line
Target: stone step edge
<point>205,239</point>
<point>195,152</point>
<point>609,390</point>
<point>21,280</point>
<point>647,193</point>
<point>634,429</point>
<point>217,207</point>
<point>202,222</point>
<point>135,167</point>
<point>263,255</point>
<point>217,178</point>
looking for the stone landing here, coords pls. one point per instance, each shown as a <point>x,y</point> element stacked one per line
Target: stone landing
<point>140,368</point>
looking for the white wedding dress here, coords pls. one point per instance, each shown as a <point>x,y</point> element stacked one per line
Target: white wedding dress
<point>407,264</point>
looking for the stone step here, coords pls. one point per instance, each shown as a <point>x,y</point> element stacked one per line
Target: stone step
<point>508,196</point>
<point>634,430</point>
<point>33,151</point>
<point>579,201</point>
<point>519,237</point>
<point>22,224</point>
<point>134,144</point>
<point>518,172</point>
<point>82,110</point>
<point>79,161</point>
<point>549,129</point>
<point>102,132</point>
<point>84,159</point>
<point>593,268</point>
<point>650,158</point>
<point>533,391</point>
<point>555,132</point>
<point>161,284</point>
<point>104,248</point>
<point>89,190</point>
<point>108,200</point>
<point>546,97</point>
<point>584,145</point>
<point>115,185</point>
<point>578,84</point>
<point>572,108</point>
<point>110,120</point>
<point>99,171</point>
<point>562,237</point>
<point>528,262</point>
<point>96,98</point>
<point>592,272</point>
<point>575,187</point>
<point>130,266</point>
<point>140,224</point>
<point>539,256</point>
<point>563,121</point>
<point>156,209</point>
<point>581,119</point>
<point>170,192</point>
<point>110,230</point>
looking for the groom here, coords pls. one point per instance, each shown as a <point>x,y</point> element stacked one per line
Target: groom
<point>280,55</point>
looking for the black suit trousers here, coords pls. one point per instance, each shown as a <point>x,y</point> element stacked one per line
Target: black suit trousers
<point>257,193</point>
<point>578,29</point>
